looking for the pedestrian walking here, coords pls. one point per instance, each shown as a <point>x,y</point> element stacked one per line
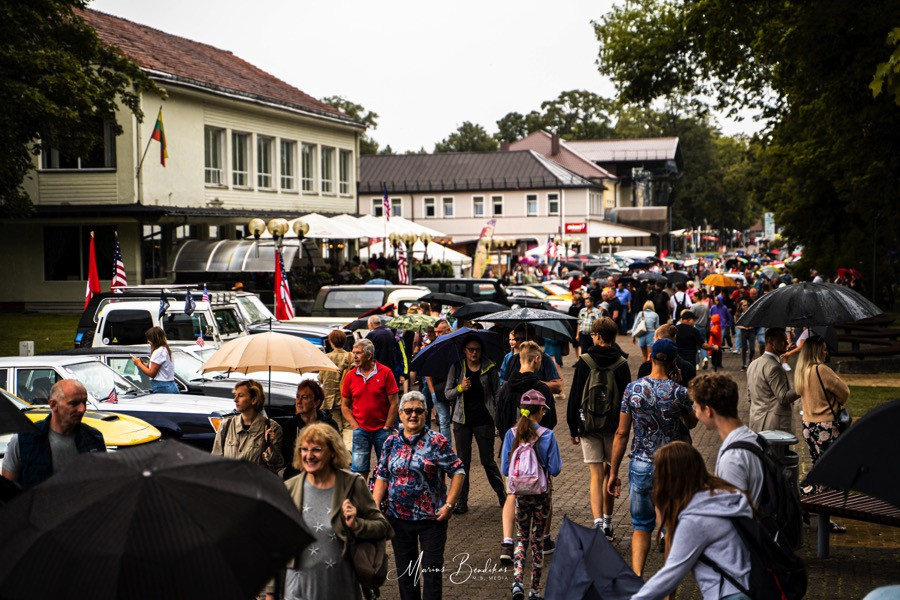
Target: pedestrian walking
<point>436,387</point>
<point>649,321</point>
<point>768,389</point>
<point>307,410</point>
<point>250,435</point>
<point>161,369</point>
<point>586,318</point>
<point>331,384</point>
<point>715,339</point>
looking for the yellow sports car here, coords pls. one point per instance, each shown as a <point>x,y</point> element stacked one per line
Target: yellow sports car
<point>119,431</point>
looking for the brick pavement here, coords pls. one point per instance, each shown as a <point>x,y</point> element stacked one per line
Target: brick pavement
<point>864,558</point>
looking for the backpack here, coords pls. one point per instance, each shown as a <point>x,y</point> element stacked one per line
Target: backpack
<point>679,306</point>
<point>779,508</point>
<point>776,573</point>
<point>600,399</point>
<point>526,474</point>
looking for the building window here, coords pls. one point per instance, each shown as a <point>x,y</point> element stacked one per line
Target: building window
<point>288,166</point>
<point>101,156</point>
<point>66,249</point>
<point>265,146</point>
<point>377,207</point>
<point>478,206</point>
<point>240,159</point>
<point>214,155</point>
<point>344,170</point>
<point>552,204</point>
<point>430,212</point>
<point>327,170</point>
<point>448,207</point>
<point>497,206</point>
<point>308,166</point>
<point>531,205</point>
<point>396,207</point>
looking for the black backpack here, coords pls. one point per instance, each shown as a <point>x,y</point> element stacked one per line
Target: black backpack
<point>600,399</point>
<point>779,508</point>
<point>776,573</point>
<point>679,306</point>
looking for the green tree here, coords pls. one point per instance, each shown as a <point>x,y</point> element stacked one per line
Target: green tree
<point>56,80</point>
<point>830,156</point>
<point>514,126</point>
<point>578,115</point>
<point>469,137</point>
<point>358,113</point>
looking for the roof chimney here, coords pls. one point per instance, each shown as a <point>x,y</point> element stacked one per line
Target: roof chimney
<point>554,145</point>
<point>504,146</point>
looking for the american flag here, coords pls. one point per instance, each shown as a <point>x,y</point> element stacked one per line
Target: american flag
<point>113,397</point>
<point>119,280</point>
<point>402,273</point>
<point>387,203</point>
<point>284,309</point>
<point>205,297</point>
<point>200,341</point>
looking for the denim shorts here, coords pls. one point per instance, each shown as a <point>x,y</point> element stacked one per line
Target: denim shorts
<point>640,490</point>
<point>363,441</point>
<point>163,387</point>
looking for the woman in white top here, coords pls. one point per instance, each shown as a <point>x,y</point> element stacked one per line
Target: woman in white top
<point>161,369</point>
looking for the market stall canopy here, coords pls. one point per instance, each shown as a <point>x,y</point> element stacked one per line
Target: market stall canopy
<point>400,225</point>
<point>240,256</point>
<point>325,228</point>
<point>371,230</point>
<point>601,228</point>
<point>436,252</point>
<point>637,254</point>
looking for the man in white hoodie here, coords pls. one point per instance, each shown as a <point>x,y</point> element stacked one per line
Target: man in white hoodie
<point>715,397</point>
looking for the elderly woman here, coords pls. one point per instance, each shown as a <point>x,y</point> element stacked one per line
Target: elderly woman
<point>307,410</point>
<point>410,475</point>
<point>336,507</point>
<point>250,434</point>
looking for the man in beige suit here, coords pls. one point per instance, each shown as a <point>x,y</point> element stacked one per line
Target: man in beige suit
<point>768,388</point>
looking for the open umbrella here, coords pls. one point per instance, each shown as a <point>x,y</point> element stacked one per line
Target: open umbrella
<point>12,420</point>
<point>640,264</point>
<point>362,323</point>
<point>525,315</point>
<point>478,309</point>
<point>861,458</point>
<point>849,274</point>
<point>587,567</point>
<point>674,277</point>
<point>162,520</point>
<point>445,299</point>
<point>530,302</point>
<point>769,272</point>
<point>573,273</point>
<point>718,280</point>
<point>378,282</point>
<point>808,304</point>
<point>434,360</point>
<point>412,322</point>
<point>651,277</point>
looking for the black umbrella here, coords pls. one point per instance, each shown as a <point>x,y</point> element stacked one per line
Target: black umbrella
<point>12,420</point>
<point>477,309</point>
<point>434,360</point>
<point>600,274</point>
<point>861,457</point>
<point>586,566</point>
<point>357,324</point>
<point>445,299</point>
<point>674,277</point>
<point>808,304</point>
<point>525,315</point>
<point>553,330</point>
<point>529,302</point>
<point>651,277</point>
<point>159,521</point>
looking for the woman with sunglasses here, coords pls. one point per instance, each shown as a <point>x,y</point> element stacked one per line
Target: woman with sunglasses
<point>410,477</point>
<point>472,387</point>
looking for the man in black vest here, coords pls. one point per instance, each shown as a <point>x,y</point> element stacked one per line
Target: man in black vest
<point>33,457</point>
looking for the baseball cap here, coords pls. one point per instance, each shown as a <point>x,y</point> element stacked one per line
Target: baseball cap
<point>664,350</point>
<point>533,398</point>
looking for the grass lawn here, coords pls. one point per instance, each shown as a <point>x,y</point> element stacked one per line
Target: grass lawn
<point>865,398</point>
<point>48,332</point>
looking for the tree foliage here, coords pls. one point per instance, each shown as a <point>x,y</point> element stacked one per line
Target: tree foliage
<point>358,113</point>
<point>56,79</point>
<point>469,137</point>
<point>573,115</point>
<point>830,157</point>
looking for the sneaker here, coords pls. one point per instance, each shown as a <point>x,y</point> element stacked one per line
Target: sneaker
<point>517,592</point>
<point>662,541</point>
<point>608,531</point>
<point>506,553</point>
<point>535,595</point>
<point>549,546</point>
<point>461,508</point>
<point>705,363</point>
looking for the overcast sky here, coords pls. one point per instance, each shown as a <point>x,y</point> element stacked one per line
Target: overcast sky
<point>424,68</point>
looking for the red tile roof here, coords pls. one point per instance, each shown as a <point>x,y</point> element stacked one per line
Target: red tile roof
<point>542,143</point>
<point>180,60</point>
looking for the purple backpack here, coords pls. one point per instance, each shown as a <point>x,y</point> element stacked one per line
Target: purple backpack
<point>526,474</point>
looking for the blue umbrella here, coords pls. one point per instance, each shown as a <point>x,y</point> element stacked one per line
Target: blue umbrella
<point>434,360</point>
<point>378,282</point>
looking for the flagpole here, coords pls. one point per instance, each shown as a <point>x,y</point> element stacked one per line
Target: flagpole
<point>141,163</point>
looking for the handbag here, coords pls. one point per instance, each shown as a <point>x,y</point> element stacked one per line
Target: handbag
<point>640,328</point>
<point>369,558</point>
<point>842,418</point>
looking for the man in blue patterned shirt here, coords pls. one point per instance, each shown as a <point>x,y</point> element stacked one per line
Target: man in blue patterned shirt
<point>653,406</point>
<point>411,477</point>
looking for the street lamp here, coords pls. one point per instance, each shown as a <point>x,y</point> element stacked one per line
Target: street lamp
<point>278,227</point>
<point>395,238</point>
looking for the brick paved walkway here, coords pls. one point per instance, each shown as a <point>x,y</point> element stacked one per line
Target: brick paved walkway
<point>866,557</point>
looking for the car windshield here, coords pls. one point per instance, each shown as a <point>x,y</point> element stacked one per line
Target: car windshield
<point>253,310</point>
<point>187,367</point>
<point>101,380</point>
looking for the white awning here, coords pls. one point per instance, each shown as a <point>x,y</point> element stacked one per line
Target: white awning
<point>399,225</point>
<point>600,228</point>
<point>636,254</point>
<point>436,252</point>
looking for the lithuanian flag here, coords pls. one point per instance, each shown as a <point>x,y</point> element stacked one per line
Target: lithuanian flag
<point>159,134</point>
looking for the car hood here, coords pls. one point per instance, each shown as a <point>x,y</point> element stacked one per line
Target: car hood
<point>118,430</point>
<point>170,403</point>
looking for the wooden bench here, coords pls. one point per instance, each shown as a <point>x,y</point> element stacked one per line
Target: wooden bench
<point>858,507</point>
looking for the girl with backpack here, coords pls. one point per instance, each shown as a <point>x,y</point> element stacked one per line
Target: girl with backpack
<point>530,456</point>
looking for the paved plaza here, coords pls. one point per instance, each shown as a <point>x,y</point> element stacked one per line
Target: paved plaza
<point>865,557</point>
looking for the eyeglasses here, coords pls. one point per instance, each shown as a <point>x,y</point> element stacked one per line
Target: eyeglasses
<point>410,411</point>
<point>473,349</point>
<point>313,450</point>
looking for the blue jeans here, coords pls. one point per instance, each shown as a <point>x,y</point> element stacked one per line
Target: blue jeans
<point>163,387</point>
<point>640,490</point>
<point>442,408</point>
<point>702,331</point>
<point>363,441</point>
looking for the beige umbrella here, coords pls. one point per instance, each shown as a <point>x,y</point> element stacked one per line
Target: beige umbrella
<point>269,351</point>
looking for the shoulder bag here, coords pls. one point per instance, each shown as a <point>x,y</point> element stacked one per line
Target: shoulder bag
<point>640,328</point>
<point>368,557</point>
<point>842,418</point>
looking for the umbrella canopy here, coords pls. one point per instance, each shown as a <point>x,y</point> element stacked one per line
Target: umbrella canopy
<point>808,304</point>
<point>357,324</point>
<point>412,322</point>
<point>719,280</point>
<point>269,351</point>
<point>573,273</point>
<point>769,272</point>
<point>587,566</point>
<point>530,302</point>
<point>478,309</point>
<point>553,330</point>
<point>525,315</point>
<point>12,419</point>
<point>859,458</point>
<point>162,520</point>
<point>434,360</point>
<point>378,282</point>
<point>651,277</point>
<point>601,274</point>
<point>674,277</point>
<point>850,274</point>
<point>445,299</point>
<point>640,264</point>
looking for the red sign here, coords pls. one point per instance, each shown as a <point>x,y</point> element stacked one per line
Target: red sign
<point>576,227</point>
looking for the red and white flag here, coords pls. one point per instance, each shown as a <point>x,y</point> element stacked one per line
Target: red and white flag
<point>113,397</point>
<point>119,280</point>
<point>402,267</point>
<point>284,309</point>
<point>386,203</point>
<point>93,281</point>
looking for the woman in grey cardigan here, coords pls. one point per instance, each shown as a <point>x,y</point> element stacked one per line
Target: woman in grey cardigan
<point>472,386</point>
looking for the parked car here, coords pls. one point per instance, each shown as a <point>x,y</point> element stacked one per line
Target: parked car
<point>477,289</point>
<point>188,418</point>
<point>119,431</point>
